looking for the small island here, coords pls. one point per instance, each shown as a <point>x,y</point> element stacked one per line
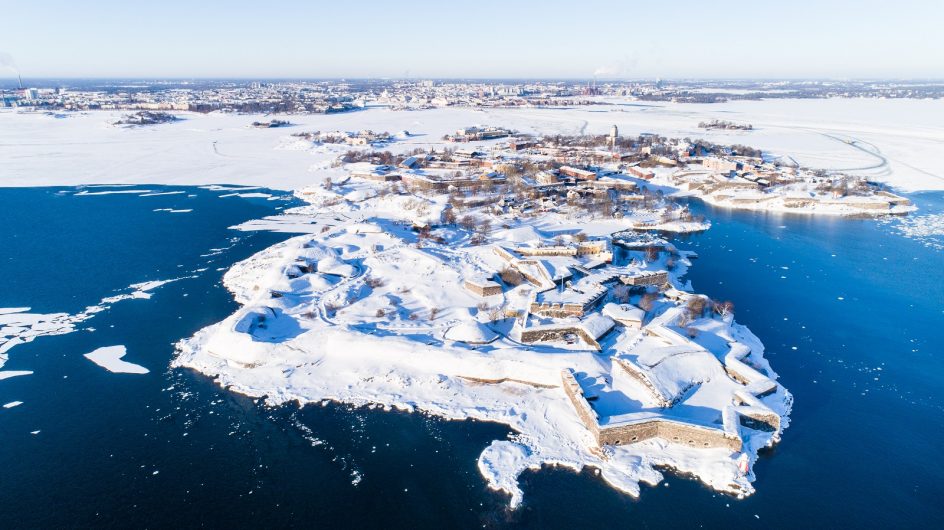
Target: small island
<point>723,124</point>
<point>364,137</point>
<point>749,183</point>
<point>146,117</point>
<point>521,284</point>
<point>271,124</point>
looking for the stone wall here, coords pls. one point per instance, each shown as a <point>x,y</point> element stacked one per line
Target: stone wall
<point>750,407</point>
<point>557,310</point>
<point>862,205</point>
<point>553,333</point>
<point>629,433</point>
<point>532,279</point>
<point>636,373</point>
<point>656,278</point>
<point>797,203</point>
<point>697,436</point>
<point>671,431</point>
<point>547,251</point>
<point>759,420</point>
<point>894,199</point>
<point>483,290</point>
<point>521,265</point>
<point>586,413</point>
<point>503,253</point>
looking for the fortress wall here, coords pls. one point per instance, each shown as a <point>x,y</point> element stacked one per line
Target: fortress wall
<point>586,414</point>
<point>546,284</point>
<point>556,310</point>
<point>628,434</point>
<point>546,251</point>
<point>758,419</point>
<point>635,373</point>
<point>697,436</point>
<point>483,290</point>
<point>743,373</point>
<point>503,254</point>
<point>753,408</point>
<point>545,334</point>
<point>657,278</point>
<point>671,431</point>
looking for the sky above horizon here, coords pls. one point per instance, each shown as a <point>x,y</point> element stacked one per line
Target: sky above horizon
<point>485,39</point>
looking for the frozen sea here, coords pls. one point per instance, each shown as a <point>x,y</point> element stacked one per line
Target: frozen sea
<point>851,312</point>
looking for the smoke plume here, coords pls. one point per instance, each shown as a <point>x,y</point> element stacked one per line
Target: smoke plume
<point>6,61</point>
<point>623,67</point>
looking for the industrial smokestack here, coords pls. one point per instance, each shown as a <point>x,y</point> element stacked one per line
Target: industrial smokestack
<point>19,79</point>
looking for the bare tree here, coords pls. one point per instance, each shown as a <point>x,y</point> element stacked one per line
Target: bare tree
<point>467,222</point>
<point>696,306</point>
<point>723,308</point>
<point>652,254</point>
<point>483,228</point>
<point>647,301</point>
<point>449,216</point>
<point>621,294</point>
<point>511,276</point>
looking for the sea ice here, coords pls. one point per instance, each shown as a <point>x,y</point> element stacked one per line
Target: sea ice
<point>109,358</point>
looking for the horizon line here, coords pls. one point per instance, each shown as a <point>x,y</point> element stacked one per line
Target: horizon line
<point>469,78</point>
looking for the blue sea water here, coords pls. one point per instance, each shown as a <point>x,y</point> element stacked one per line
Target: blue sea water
<point>851,313</point>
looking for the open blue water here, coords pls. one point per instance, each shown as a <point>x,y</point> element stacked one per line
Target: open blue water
<point>862,306</point>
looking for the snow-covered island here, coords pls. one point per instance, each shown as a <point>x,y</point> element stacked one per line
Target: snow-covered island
<point>146,117</point>
<point>734,176</point>
<point>503,287</point>
<point>752,184</point>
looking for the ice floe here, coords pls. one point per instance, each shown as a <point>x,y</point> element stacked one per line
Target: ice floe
<point>19,326</point>
<point>109,358</point>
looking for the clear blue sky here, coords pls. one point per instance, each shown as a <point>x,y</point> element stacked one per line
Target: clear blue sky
<point>530,39</point>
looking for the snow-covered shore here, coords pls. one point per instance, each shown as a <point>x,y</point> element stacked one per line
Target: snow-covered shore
<point>803,196</point>
<point>892,141</point>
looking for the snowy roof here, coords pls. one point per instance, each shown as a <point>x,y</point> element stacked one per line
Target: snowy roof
<point>579,293</point>
<point>481,280</point>
<point>597,325</point>
<point>624,312</point>
<point>558,268</point>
